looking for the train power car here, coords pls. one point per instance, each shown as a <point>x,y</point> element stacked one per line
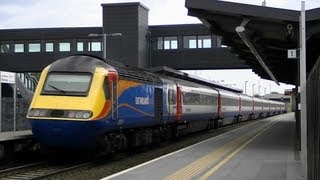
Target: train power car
<point>83,102</point>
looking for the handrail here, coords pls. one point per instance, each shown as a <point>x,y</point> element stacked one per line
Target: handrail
<point>30,81</point>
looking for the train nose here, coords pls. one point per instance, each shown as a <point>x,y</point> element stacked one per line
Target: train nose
<point>64,134</point>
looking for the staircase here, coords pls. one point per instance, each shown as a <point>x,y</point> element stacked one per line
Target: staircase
<point>26,85</point>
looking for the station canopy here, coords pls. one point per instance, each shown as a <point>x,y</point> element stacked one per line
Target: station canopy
<point>260,35</point>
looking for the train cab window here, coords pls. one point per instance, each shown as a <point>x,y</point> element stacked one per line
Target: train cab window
<point>172,96</point>
<point>67,84</point>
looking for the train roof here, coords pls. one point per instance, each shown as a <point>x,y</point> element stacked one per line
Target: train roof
<point>87,63</point>
<point>185,76</point>
<point>134,73</point>
<point>77,63</point>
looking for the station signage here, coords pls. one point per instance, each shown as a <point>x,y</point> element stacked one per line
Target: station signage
<point>292,54</point>
<point>7,77</point>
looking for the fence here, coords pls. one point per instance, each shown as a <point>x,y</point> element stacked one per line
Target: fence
<point>313,108</point>
<point>7,122</point>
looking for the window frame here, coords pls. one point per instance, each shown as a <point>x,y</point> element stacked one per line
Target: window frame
<point>46,49</point>
<point>36,47</point>
<point>68,93</point>
<point>167,43</point>
<point>15,48</point>
<point>7,45</point>
<point>64,42</point>
<point>197,40</point>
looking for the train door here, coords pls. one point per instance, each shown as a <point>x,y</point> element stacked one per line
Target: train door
<point>179,103</point>
<point>113,82</point>
<point>114,98</point>
<point>158,104</point>
<point>172,102</point>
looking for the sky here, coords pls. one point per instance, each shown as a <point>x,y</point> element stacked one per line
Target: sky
<point>86,13</point>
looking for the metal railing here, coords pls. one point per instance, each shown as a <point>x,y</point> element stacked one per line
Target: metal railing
<point>313,118</point>
<point>28,80</point>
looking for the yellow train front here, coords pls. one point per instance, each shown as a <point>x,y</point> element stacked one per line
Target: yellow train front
<point>71,104</point>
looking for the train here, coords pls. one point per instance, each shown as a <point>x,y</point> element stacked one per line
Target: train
<point>84,102</point>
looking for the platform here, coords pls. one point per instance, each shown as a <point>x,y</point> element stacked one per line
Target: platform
<point>263,150</point>
<point>15,135</point>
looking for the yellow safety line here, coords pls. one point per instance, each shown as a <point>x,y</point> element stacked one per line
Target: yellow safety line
<point>225,160</point>
<point>210,159</point>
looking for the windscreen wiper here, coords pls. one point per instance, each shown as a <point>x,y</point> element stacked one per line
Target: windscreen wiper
<point>58,89</point>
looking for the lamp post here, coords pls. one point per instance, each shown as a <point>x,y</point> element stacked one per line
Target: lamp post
<point>253,89</point>
<point>245,87</point>
<point>104,35</point>
<point>259,90</point>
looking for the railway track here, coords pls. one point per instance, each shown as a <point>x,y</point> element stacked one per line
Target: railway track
<point>44,169</point>
<point>38,170</point>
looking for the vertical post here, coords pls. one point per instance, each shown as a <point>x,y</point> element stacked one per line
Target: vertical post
<point>259,90</point>
<point>15,103</point>
<point>104,46</point>
<point>253,89</point>
<point>270,87</point>
<point>0,103</point>
<point>245,87</point>
<point>303,93</point>
<point>112,100</point>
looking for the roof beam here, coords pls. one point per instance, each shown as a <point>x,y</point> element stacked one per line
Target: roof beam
<point>242,34</point>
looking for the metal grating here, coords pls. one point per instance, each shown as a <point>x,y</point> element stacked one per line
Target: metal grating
<point>313,116</point>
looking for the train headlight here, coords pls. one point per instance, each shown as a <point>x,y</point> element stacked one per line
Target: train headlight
<point>86,115</point>
<point>30,113</point>
<point>36,112</point>
<point>79,114</point>
<point>71,114</point>
<point>43,113</point>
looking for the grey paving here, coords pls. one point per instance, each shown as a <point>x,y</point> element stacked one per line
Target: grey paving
<point>270,156</point>
<point>14,135</point>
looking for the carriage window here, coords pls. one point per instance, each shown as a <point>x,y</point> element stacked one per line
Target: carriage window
<point>67,84</point>
<point>172,96</point>
<point>230,102</point>
<point>199,99</point>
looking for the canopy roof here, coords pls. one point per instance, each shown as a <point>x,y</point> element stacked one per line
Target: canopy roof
<point>263,35</point>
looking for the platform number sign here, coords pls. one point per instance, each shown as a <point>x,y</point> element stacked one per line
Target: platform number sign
<point>292,54</point>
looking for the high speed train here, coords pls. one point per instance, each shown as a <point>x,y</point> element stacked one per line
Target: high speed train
<point>83,102</point>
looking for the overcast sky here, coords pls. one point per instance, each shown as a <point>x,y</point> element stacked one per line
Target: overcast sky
<point>84,13</point>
